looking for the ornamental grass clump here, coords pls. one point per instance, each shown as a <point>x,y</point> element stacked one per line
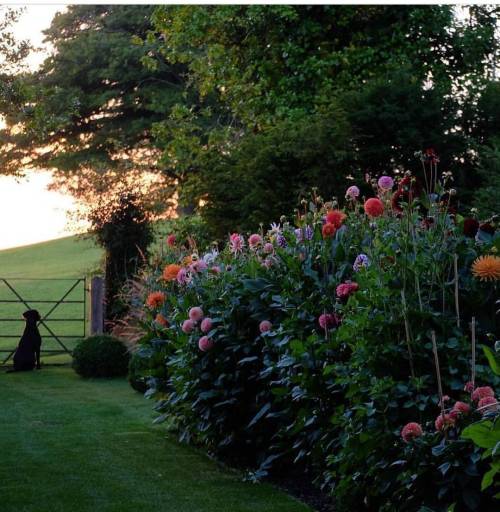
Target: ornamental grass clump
<point>310,346</point>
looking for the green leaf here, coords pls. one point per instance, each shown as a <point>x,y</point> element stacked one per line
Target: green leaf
<point>259,415</point>
<point>483,433</point>
<point>492,359</point>
<point>490,475</point>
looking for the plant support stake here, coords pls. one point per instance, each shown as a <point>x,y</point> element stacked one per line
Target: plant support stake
<point>473,362</point>
<point>457,308</point>
<point>438,372</point>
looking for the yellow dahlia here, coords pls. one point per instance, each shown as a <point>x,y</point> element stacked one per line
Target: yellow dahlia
<point>487,268</point>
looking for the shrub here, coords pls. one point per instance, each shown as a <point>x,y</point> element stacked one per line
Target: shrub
<point>100,356</point>
<point>320,346</point>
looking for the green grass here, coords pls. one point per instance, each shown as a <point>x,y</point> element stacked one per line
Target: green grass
<point>65,259</point>
<point>68,444</point>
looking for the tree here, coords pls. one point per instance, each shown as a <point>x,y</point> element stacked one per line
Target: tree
<point>87,112</point>
<point>402,76</point>
<point>122,227</point>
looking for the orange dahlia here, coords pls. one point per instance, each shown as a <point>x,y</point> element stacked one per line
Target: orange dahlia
<point>155,299</point>
<point>161,320</point>
<point>335,217</point>
<point>170,272</point>
<point>487,268</point>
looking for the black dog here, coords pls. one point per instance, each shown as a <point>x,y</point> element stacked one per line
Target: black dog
<point>28,351</point>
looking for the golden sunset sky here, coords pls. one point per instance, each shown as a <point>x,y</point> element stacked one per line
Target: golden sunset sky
<point>29,213</point>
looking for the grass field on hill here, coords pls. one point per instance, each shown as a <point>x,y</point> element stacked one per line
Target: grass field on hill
<point>89,445</point>
<point>27,270</point>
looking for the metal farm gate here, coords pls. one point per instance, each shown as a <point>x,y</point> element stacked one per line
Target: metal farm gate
<point>62,304</point>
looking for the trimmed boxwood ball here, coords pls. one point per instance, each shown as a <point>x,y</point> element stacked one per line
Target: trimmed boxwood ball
<point>100,356</point>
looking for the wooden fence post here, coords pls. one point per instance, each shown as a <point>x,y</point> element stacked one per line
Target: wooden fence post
<point>96,305</point>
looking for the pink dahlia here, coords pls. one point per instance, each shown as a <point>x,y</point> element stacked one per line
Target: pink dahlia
<point>460,408</point>
<point>265,326</point>
<point>374,207</point>
<point>236,243</point>
<point>480,393</point>
<point>469,387</point>
<point>385,182</point>
<point>352,192</point>
<point>205,343</point>
<point>196,314</point>
<point>198,266</point>
<point>254,241</point>
<point>206,324</point>
<point>183,276</point>
<point>188,326</point>
<point>444,422</point>
<point>328,320</point>
<point>345,289</point>
<point>215,269</point>
<point>268,248</point>
<point>411,431</point>
<point>487,404</point>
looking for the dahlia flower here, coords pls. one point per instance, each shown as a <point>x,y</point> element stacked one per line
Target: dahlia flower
<point>198,266</point>
<point>444,422</point>
<point>469,387</point>
<point>171,239</point>
<point>360,262</point>
<point>236,243</point>
<point>411,431</point>
<point>183,276</point>
<point>268,248</point>
<point>188,326</point>
<point>206,324</point>
<point>335,217</point>
<point>254,241</point>
<point>487,268</point>
<point>345,289</point>
<point>483,392</point>
<point>210,257</point>
<point>155,300</point>
<point>265,326</point>
<point>170,272</point>
<point>328,320</point>
<point>352,192</point>
<point>196,314</point>
<point>385,182</point>
<point>461,408</point>
<point>281,241</point>
<point>205,344</point>
<point>161,320</point>
<point>328,230</point>
<point>487,404</point>
<point>374,207</point>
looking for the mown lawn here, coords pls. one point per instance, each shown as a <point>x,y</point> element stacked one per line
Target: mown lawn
<point>72,445</point>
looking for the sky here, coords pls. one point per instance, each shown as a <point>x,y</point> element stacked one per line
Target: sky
<point>30,213</point>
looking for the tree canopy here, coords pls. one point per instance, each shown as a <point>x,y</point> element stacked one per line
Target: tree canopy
<point>87,112</point>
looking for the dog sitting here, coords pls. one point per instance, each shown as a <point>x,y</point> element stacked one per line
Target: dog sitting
<point>28,351</point>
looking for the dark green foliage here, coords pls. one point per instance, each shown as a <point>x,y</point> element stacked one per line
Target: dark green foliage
<point>122,228</point>
<point>388,81</point>
<point>137,365</point>
<point>333,403</point>
<point>100,356</point>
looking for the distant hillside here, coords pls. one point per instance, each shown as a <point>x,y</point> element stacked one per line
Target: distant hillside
<point>65,257</point>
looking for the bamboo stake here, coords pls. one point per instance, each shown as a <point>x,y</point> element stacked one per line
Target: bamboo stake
<point>457,305</point>
<point>438,372</point>
<point>407,330</point>
<point>473,363</point>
